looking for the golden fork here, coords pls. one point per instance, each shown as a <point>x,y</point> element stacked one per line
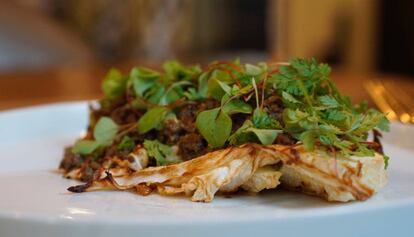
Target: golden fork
<point>396,103</point>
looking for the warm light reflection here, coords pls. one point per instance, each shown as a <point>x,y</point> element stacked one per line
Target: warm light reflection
<point>390,115</point>
<point>378,94</point>
<point>405,118</point>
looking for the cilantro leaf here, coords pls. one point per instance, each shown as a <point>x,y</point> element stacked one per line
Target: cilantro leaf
<point>335,115</point>
<point>328,101</point>
<point>384,124</point>
<point>261,119</point>
<point>289,98</point>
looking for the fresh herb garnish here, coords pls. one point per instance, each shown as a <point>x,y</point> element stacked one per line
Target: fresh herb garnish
<point>316,113</point>
<point>215,126</point>
<point>249,133</point>
<point>113,86</point>
<point>152,119</point>
<point>310,110</point>
<point>104,133</point>
<point>85,147</point>
<point>127,143</point>
<point>158,151</point>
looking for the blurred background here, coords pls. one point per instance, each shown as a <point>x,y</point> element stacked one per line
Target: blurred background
<point>360,36</point>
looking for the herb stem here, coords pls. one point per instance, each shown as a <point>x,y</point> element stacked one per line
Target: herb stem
<point>263,90</point>
<point>126,131</point>
<point>256,92</point>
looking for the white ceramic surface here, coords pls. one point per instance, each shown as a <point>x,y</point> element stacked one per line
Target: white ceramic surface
<point>34,200</point>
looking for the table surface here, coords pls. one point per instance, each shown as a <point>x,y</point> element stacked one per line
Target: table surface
<point>26,88</point>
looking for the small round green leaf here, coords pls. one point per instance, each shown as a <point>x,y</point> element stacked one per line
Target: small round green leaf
<point>152,119</point>
<point>85,147</point>
<point>105,131</point>
<point>113,86</point>
<point>237,106</point>
<point>215,126</point>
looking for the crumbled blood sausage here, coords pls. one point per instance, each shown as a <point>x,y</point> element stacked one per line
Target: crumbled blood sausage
<point>191,145</point>
<point>273,105</point>
<point>70,160</point>
<point>180,131</point>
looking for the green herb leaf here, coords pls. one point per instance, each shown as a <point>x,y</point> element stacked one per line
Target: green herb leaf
<point>384,124</point>
<point>288,97</point>
<point>367,121</point>
<point>214,89</point>
<point>143,79</point>
<point>105,131</point>
<point>241,135</point>
<point>152,119</point>
<point>386,161</point>
<point>192,95</point>
<point>247,133</point>
<point>325,140</point>
<point>226,88</point>
<point>203,85</point>
<point>313,109</point>
<point>262,120</point>
<point>114,84</point>
<point>170,97</point>
<point>139,103</point>
<point>85,147</point>
<point>265,136</point>
<point>237,106</point>
<point>158,151</point>
<point>175,71</point>
<point>328,101</point>
<point>335,115</point>
<point>253,70</point>
<point>155,94</point>
<point>174,92</point>
<point>308,140</point>
<point>127,143</point>
<point>215,126</point>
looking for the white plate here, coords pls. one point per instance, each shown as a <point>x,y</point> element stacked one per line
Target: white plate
<point>34,200</point>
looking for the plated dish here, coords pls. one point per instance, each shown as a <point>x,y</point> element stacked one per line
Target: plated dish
<point>34,201</point>
<point>229,127</point>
